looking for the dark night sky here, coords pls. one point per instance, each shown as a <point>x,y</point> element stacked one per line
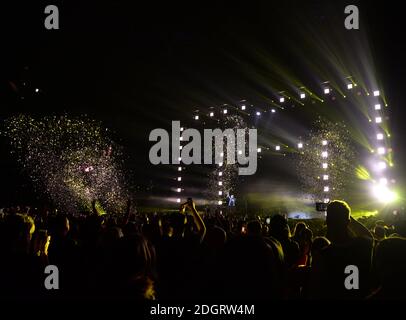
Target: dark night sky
<point>134,66</point>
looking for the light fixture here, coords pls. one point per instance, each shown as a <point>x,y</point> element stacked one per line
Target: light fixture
<point>325,176</point>
<point>326,200</point>
<point>326,189</point>
<point>225,111</point>
<point>383,181</point>
<point>221,154</point>
<point>179,168</point>
<point>379,136</point>
<point>349,86</point>
<point>220,183</point>
<point>377,106</point>
<point>259,150</point>
<point>381,150</point>
<point>178,200</point>
<point>243,107</point>
<point>376,93</point>
<point>179,190</point>
<point>281,99</point>
<point>300,145</point>
<point>239,152</point>
<point>273,110</point>
<point>302,95</point>
<point>378,119</point>
<point>277,148</point>
<point>324,142</point>
<point>180,159</point>
<point>196,117</point>
<point>181,129</point>
<point>326,91</point>
<point>211,114</point>
<point>220,193</point>
<point>220,202</point>
<point>179,178</point>
<point>324,154</point>
<point>220,173</point>
<point>324,165</point>
<point>382,165</point>
<point>258,113</point>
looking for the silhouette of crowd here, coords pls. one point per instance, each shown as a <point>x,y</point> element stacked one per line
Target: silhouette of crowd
<point>185,255</point>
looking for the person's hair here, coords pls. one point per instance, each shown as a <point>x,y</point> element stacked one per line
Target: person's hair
<point>299,227</point>
<point>319,243</point>
<point>254,228</point>
<point>338,213</point>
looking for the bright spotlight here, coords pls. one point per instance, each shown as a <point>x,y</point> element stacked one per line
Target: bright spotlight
<point>181,129</point>
<point>179,190</point>
<point>220,173</point>
<point>381,150</point>
<point>382,165</point>
<point>211,114</point>
<point>281,99</point>
<point>221,154</point>
<point>220,202</point>
<point>324,142</point>
<point>383,194</point>
<point>326,189</point>
<point>179,178</point>
<point>179,168</point>
<point>379,136</point>
<point>180,147</point>
<point>273,110</point>
<point>277,148</point>
<point>383,181</point>
<point>178,200</point>
<point>220,193</point>
<point>302,95</point>
<point>220,183</point>
<point>225,111</point>
<point>220,164</point>
<point>325,176</point>
<point>376,93</point>
<point>243,107</point>
<point>258,113</point>
<point>37,90</point>
<point>324,154</point>
<point>181,139</point>
<point>326,91</point>
<point>349,86</point>
<point>378,119</point>
<point>239,152</point>
<point>324,165</point>
<point>377,106</point>
<point>196,117</point>
<point>326,200</point>
<point>259,150</point>
<point>300,145</point>
<point>180,159</point>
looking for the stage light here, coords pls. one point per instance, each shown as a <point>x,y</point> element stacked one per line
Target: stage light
<point>273,110</point>
<point>381,150</point>
<point>37,90</point>
<point>302,95</point>
<point>180,147</point>
<point>349,86</point>
<point>220,164</point>
<point>179,190</point>
<point>196,117</point>
<point>181,129</point>
<point>326,200</point>
<point>326,91</point>
<point>383,181</point>
<point>178,200</point>
<point>180,158</point>
<point>179,168</point>
<point>211,114</point>
<point>324,165</point>
<point>220,202</point>
<point>324,154</point>
<point>239,152</point>
<point>220,173</point>
<point>376,93</point>
<point>179,178</point>
<point>277,148</point>
<point>258,113</point>
<point>326,189</point>
<point>281,99</point>
<point>220,183</point>
<point>378,120</point>
<point>180,138</point>
<point>225,111</point>
<point>383,194</point>
<point>243,107</point>
<point>220,193</point>
<point>325,176</point>
<point>377,106</point>
<point>379,136</point>
<point>222,154</point>
<point>300,145</point>
<point>324,142</point>
<point>382,165</point>
<point>259,150</point>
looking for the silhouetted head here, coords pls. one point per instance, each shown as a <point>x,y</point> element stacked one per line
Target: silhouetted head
<point>299,227</point>
<point>338,214</point>
<point>215,237</point>
<point>178,223</point>
<point>16,232</point>
<point>380,232</point>
<point>279,227</point>
<point>254,228</point>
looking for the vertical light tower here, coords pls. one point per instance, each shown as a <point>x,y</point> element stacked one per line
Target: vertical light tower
<point>325,176</point>
<point>179,170</point>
